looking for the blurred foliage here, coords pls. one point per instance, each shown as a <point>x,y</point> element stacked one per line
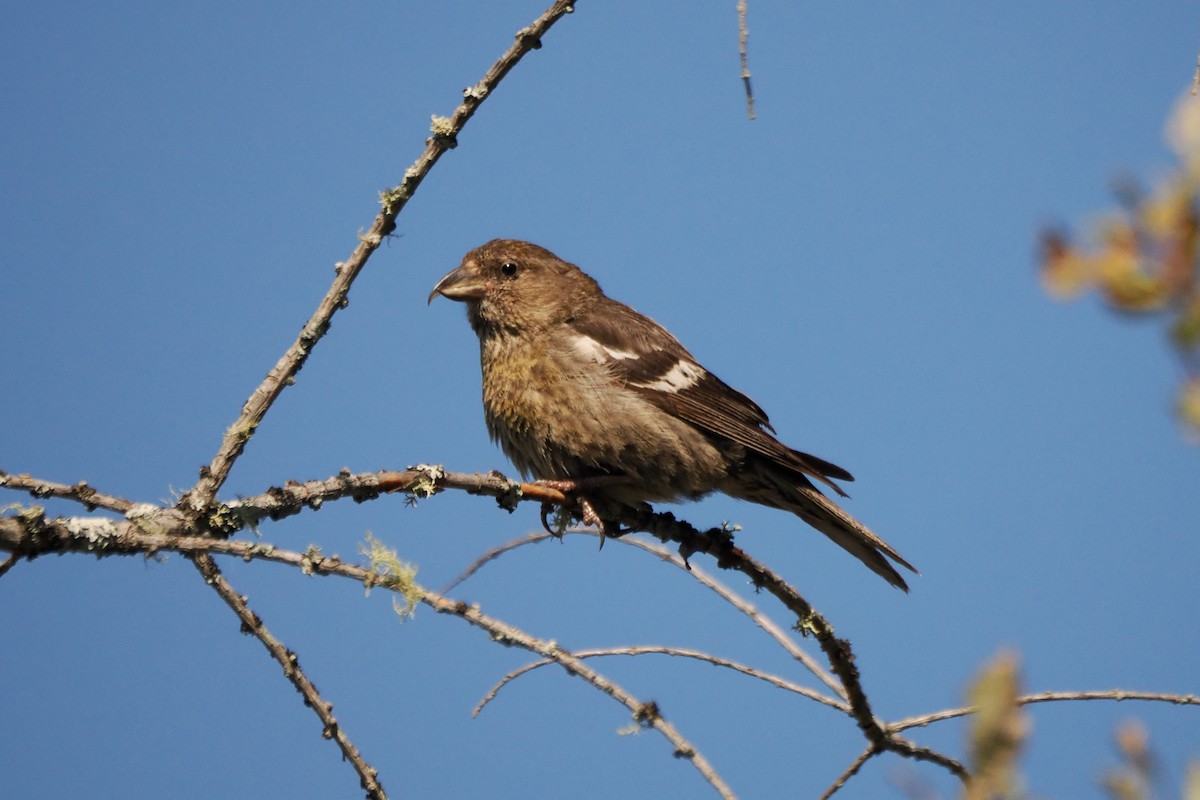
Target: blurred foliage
<point>1135,778</point>
<point>997,731</point>
<point>1143,258</point>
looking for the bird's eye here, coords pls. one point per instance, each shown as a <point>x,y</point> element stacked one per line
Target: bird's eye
<point>508,268</point>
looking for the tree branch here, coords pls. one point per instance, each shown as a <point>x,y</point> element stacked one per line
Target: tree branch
<point>850,771</point>
<point>718,543</point>
<point>252,624</point>
<point>424,481</point>
<point>760,619</point>
<point>79,492</point>
<point>765,623</point>
<point>33,534</point>
<point>445,133</point>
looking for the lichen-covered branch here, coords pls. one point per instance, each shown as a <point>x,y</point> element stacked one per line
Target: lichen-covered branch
<point>147,529</point>
<point>33,534</point>
<point>80,492</point>
<point>427,480</point>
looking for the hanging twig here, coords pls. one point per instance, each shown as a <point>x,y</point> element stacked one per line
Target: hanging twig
<point>743,34</point>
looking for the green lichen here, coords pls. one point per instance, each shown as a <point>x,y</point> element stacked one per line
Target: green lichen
<point>389,571</point>
<point>426,484</point>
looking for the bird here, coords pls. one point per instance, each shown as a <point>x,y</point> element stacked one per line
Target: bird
<point>580,390</point>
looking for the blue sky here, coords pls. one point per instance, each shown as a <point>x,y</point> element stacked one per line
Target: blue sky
<point>179,181</point>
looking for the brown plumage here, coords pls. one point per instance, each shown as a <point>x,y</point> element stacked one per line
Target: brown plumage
<point>577,386</point>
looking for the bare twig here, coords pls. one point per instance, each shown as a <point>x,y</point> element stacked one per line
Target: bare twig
<point>251,624</point>
<point>646,714</point>
<point>909,749</point>
<point>743,34</point>
<point>737,601</point>
<point>850,772</point>
<point>445,132</point>
<point>638,650</point>
<point>497,551</point>
<point>749,609</point>
<point>79,492</point>
<point>1117,695</point>
<point>718,543</point>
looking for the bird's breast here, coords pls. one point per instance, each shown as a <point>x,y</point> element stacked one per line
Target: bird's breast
<point>557,416</point>
<point>524,393</point>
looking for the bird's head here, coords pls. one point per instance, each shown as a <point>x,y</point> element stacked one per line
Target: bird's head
<point>515,286</point>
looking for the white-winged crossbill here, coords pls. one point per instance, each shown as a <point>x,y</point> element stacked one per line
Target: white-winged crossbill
<point>578,387</point>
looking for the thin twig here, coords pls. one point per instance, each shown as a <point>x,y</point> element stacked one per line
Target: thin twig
<point>252,624</point>
<point>718,543</point>
<point>1049,697</point>
<point>497,551</point>
<point>647,714</point>
<point>743,34</point>
<point>79,492</point>
<point>737,601</point>
<point>909,749</point>
<point>850,772</point>
<point>760,619</point>
<point>445,133</point>
<point>638,650</point>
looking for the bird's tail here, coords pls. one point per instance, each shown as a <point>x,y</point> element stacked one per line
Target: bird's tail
<point>789,491</point>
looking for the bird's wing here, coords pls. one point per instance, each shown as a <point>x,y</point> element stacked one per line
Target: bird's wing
<point>646,358</point>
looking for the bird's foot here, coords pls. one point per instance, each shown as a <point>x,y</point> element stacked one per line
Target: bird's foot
<point>573,485</point>
<point>587,509</point>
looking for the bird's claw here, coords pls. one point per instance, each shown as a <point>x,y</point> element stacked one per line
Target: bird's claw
<point>590,517</point>
<point>587,510</point>
<point>556,530</point>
